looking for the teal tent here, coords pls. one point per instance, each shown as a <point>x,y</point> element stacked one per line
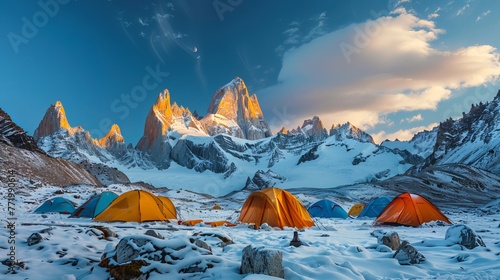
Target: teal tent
<point>95,205</point>
<point>375,207</point>
<point>56,205</point>
<point>327,209</point>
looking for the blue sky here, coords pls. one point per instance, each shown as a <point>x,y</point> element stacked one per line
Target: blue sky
<point>392,68</point>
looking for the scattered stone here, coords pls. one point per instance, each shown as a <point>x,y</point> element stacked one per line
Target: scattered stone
<point>461,257</point>
<point>391,240</point>
<point>47,231</point>
<point>225,240</point>
<point>107,233</point>
<point>465,236</point>
<point>77,196</point>
<point>407,254</point>
<point>153,233</point>
<point>59,192</point>
<point>8,262</point>
<point>34,239</point>
<point>262,261</point>
<point>296,241</point>
<point>136,257</point>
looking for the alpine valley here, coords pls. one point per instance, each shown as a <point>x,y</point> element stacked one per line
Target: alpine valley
<point>232,148</point>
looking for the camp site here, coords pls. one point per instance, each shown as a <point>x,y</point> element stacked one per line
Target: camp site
<point>312,231</point>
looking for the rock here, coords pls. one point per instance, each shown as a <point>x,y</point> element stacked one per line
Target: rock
<point>153,233</point>
<point>391,240</point>
<point>136,257</point>
<point>34,239</point>
<point>296,241</point>
<point>262,261</point>
<point>107,233</point>
<point>200,243</point>
<point>407,254</point>
<point>465,236</point>
<point>47,231</point>
<point>225,239</point>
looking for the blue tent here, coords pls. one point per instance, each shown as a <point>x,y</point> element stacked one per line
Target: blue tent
<point>327,209</point>
<point>56,205</point>
<point>95,205</point>
<point>375,207</point>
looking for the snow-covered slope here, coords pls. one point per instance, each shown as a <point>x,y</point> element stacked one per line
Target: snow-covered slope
<point>421,144</point>
<point>12,134</point>
<point>27,164</point>
<point>473,139</point>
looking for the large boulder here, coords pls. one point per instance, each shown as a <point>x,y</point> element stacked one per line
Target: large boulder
<point>136,257</point>
<point>407,254</point>
<point>465,236</point>
<point>389,239</point>
<point>261,260</point>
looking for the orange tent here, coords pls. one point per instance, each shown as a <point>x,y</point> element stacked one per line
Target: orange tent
<point>277,208</point>
<point>137,206</point>
<point>356,209</point>
<point>410,210</point>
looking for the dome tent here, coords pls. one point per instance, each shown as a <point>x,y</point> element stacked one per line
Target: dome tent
<point>410,210</point>
<point>277,208</point>
<point>327,209</point>
<point>137,206</point>
<point>94,205</point>
<point>56,205</point>
<point>356,209</point>
<point>375,207</point>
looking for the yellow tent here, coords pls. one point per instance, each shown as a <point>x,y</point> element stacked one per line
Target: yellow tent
<point>137,206</point>
<point>277,208</point>
<point>356,209</point>
<point>168,207</point>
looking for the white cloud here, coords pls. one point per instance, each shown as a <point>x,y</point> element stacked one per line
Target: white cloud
<point>433,16</point>
<point>483,15</point>
<point>365,71</point>
<point>413,119</point>
<point>319,29</point>
<point>462,10</point>
<point>403,134</point>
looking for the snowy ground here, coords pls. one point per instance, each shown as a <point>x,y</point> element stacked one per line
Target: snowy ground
<point>338,249</point>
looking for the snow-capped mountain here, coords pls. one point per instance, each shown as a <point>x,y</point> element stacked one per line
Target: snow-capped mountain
<point>163,123</point>
<point>232,144</point>
<point>58,138</point>
<point>30,165</point>
<point>471,140</point>
<point>13,135</point>
<point>233,111</point>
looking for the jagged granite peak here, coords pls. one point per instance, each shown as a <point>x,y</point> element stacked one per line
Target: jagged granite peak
<point>349,131</point>
<point>113,137</point>
<point>14,135</point>
<point>158,121</point>
<point>313,128</point>
<point>283,130</point>
<point>234,103</point>
<point>54,120</point>
<point>472,140</point>
<point>420,144</point>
